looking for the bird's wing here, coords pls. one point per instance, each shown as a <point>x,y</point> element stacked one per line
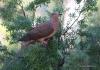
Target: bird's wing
<point>38,32</point>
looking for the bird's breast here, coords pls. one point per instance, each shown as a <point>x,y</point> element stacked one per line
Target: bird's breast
<point>50,35</point>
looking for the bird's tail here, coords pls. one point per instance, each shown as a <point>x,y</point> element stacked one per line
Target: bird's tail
<point>25,38</point>
<point>21,39</point>
<point>27,43</point>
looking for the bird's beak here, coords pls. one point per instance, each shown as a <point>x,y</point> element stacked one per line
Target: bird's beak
<point>60,14</point>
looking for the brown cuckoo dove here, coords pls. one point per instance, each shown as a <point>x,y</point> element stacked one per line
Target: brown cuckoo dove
<point>42,32</point>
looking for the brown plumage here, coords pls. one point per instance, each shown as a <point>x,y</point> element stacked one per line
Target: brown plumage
<point>42,32</point>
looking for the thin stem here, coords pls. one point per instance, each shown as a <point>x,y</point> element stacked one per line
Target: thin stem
<point>72,23</point>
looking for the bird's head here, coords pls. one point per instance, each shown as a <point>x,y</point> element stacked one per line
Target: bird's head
<point>56,14</point>
<point>55,20</point>
<point>55,17</point>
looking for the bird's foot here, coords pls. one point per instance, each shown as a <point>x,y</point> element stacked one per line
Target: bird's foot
<point>45,45</point>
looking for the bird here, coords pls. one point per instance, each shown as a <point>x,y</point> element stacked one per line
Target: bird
<point>42,32</point>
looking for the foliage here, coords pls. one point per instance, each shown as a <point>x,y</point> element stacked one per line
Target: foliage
<point>90,5</point>
<point>35,57</point>
<point>75,53</point>
<point>78,1</point>
<point>33,5</point>
<point>89,37</point>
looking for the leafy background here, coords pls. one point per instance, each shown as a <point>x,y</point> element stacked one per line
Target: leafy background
<point>78,50</point>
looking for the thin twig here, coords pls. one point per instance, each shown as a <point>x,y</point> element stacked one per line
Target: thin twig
<point>72,24</point>
<point>74,21</point>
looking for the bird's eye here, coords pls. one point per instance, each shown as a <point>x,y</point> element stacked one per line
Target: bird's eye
<point>60,14</point>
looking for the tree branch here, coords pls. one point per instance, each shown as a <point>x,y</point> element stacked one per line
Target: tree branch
<point>23,11</point>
